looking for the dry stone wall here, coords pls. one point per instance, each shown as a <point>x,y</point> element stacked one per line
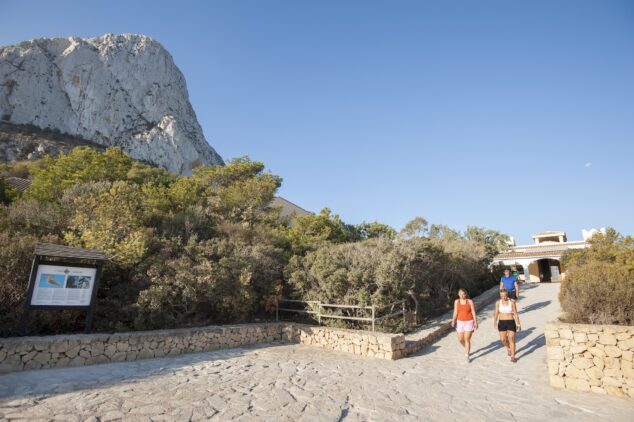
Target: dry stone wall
<point>24,353</point>
<point>362,343</point>
<point>596,358</point>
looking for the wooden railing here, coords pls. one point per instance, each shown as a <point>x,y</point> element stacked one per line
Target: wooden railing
<point>311,305</point>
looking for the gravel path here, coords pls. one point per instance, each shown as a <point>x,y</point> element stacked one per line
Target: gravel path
<point>292,382</point>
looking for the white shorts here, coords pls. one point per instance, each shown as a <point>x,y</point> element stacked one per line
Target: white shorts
<point>462,326</point>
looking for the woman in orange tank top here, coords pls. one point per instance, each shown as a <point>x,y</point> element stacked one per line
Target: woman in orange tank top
<point>464,320</point>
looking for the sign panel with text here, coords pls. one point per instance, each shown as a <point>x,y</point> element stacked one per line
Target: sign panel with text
<point>58,285</point>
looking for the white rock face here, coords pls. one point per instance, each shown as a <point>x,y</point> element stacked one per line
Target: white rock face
<point>114,90</point>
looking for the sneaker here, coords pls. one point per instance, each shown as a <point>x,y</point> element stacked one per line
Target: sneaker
<point>513,359</point>
<point>467,358</point>
<point>508,352</point>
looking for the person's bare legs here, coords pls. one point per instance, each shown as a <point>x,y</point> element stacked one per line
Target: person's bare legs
<point>461,339</point>
<point>467,341</point>
<point>504,339</point>
<point>512,342</point>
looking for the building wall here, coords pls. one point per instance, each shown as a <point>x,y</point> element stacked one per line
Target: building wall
<point>533,270</point>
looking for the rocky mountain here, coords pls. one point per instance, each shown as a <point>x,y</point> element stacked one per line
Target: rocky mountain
<point>114,90</point>
<point>26,142</point>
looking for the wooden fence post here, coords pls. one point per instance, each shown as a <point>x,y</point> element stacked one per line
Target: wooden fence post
<point>319,313</point>
<point>373,316</point>
<point>277,309</point>
<point>404,317</point>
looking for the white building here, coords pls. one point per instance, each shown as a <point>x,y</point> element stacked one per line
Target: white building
<point>540,262</point>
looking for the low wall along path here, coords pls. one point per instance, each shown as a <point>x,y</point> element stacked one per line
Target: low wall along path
<point>597,358</point>
<point>24,353</point>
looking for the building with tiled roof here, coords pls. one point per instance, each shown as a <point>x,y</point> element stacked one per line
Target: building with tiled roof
<point>540,262</point>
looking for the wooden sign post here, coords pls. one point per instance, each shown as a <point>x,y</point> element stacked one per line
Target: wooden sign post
<point>63,277</point>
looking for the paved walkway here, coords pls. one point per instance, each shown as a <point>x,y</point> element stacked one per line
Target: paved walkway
<point>292,382</point>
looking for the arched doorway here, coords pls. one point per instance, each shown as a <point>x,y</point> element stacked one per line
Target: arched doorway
<point>545,270</point>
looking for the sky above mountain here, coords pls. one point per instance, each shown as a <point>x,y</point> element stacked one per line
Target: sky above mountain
<point>514,116</point>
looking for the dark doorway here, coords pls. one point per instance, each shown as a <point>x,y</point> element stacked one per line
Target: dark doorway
<point>544,270</point>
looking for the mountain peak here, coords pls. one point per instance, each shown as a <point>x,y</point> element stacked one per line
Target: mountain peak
<point>114,90</point>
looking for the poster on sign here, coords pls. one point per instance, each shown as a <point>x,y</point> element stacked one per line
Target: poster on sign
<point>57,285</point>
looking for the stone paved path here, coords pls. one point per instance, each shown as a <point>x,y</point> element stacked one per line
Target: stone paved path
<point>292,382</point>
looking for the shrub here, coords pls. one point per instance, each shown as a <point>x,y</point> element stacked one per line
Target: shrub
<point>598,293</point>
<point>599,283</point>
<point>219,280</point>
<point>30,216</point>
<point>426,272</point>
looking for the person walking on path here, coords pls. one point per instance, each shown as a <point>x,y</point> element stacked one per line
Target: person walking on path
<point>507,320</point>
<point>515,273</point>
<point>510,284</point>
<point>464,320</point>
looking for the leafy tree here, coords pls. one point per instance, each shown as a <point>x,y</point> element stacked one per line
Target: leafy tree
<point>440,231</point>
<point>611,247</point>
<point>494,241</point>
<point>113,222</point>
<point>374,230</point>
<point>308,232</point>
<point>418,227</point>
<point>240,192</point>
<point>7,193</point>
<point>82,164</point>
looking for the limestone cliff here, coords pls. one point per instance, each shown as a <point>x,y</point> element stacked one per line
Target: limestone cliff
<point>114,90</point>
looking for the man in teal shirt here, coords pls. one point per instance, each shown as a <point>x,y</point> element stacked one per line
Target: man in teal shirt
<point>515,273</point>
<point>511,285</point>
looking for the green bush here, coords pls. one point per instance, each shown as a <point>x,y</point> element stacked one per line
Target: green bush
<point>598,293</point>
<point>425,272</point>
<point>599,283</point>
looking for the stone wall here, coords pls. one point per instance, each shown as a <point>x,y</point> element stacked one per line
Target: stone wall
<point>595,358</point>
<point>362,343</point>
<point>23,353</point>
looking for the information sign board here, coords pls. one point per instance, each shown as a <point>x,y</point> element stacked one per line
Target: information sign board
<point>63,286</point>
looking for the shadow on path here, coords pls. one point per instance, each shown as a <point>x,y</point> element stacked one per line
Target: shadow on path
<point>425,351</point>
<point>497,344</point>
<point>535,306</point>
<point>531,346</point>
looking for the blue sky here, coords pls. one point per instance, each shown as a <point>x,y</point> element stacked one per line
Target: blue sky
<point>517,116</point>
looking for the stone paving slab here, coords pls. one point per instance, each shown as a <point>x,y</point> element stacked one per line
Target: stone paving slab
<point>301,383</point>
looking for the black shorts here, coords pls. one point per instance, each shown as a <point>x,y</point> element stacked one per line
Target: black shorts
<point>507,325</point>
<point>512,294</point>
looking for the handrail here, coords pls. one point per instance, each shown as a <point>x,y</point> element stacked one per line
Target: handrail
<point>320,306</point>
<point>328,305</point>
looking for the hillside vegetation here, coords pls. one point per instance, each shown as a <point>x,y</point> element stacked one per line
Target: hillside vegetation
<point>208,248</point>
